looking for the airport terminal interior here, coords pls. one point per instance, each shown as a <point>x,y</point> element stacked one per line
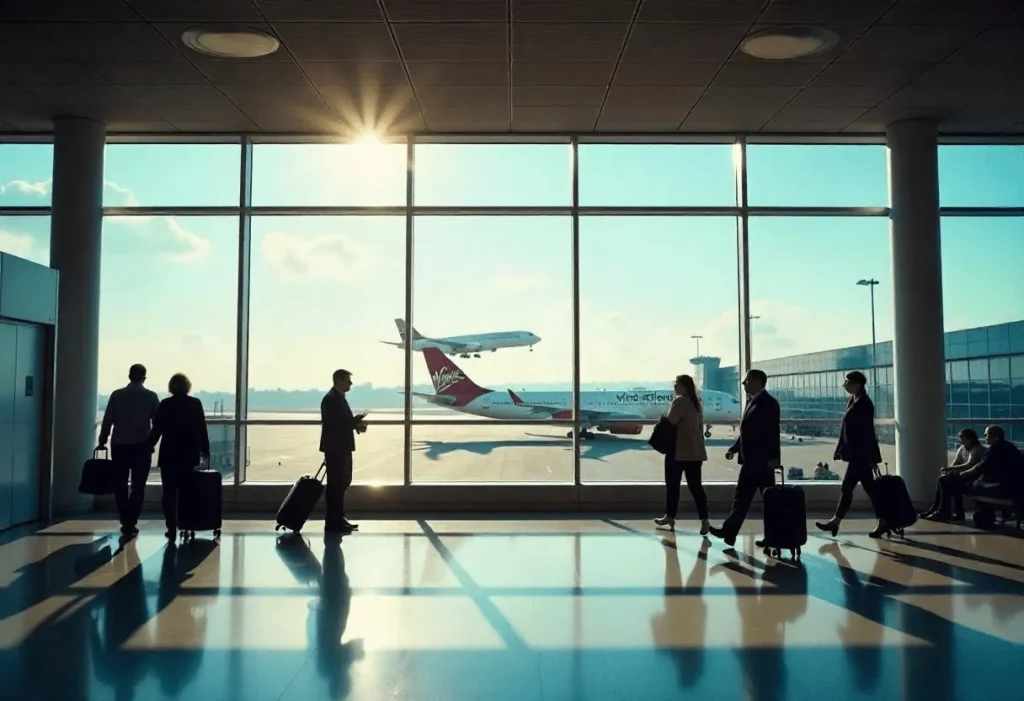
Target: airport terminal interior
<point>514,223</point>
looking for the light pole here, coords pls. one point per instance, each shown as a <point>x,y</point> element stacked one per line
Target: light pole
<point>697,338</point>
<point>870,284</point>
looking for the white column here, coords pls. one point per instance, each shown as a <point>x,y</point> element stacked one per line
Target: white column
<point>918,351</point>
<point>75,244</point>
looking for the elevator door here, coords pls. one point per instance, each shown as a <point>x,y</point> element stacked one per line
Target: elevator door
<point>28,425</point>
<point>8,365</point>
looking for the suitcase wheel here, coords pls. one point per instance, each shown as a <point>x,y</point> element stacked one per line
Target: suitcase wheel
<point>795,554</point>
<point>277,528</point>
<point>216,533</point>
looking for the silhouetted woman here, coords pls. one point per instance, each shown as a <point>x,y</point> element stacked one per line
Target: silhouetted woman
<point>687,415</point>
<point>181,423</point>
<point>949,503</point>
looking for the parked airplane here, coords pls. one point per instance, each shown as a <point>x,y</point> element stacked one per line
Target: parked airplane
<point>619,412</point>
<point>464,345</point>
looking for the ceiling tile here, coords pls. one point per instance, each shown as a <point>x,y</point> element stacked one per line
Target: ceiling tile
<point>904,43</point>
<point>199,11</point>
<point>997,45</point>
<point>21,121</point>
<point>228,114</point>
<point>338,41</point>
<point>320,11</point>
<point>453,42</point>
<point>557,96</point>
<point>962,74</point>
<point>356,74</point>
<point>446,10</point>
<point>719,121</point>
<point>880,117</point>
<point>91,41</point>
<point>711,11</point>
<point>256,73</point>
<point>292,118</point>
<point>869,74</point>
<point>746,98</point>
<point>66,11</point>
<point>683,42</point>
<point>650,124</point>
<point>26,42</point>
<point>481,118</point>
<point>646,97</point>
<point>428,73</point>
<point>70,96</point>
<point>982,119</point>
<point>950,11</point>
<point>813,119</point>
<point>11,96</point>
<point>573,73</point>
<point>462,96</point>
<point>863,97</point>
<point>1002,97</point>
<point>152,74</point>
<point>934,97</point>
<point>572,10</point>
<point>665,73</point>
<point>767,74</point>
<point>41,73</point>
<point>197,95</point>
<point>246,96</point>
<point>818,12</point>
<point>553,118</point>
<point>593,42</point>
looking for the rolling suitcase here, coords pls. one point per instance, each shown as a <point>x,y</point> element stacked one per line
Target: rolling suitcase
<point>101,475</point>
<point>199,504</point>
<point>785,519</point>
<point>893,502</point>
<point>301,501</point>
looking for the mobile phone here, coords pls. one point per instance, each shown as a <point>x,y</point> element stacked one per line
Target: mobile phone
<point>362,417</point>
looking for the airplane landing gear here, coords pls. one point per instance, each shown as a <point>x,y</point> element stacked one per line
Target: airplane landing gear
<point>531,349</point>
<point>476,355</point>
<point>584,434</point>
<point>465,355</point>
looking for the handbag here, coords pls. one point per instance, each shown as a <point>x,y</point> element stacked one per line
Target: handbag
<point>663,438</point>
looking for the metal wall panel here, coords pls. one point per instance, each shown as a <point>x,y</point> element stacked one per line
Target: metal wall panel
<point>29,400</point>
<point>8,364</point>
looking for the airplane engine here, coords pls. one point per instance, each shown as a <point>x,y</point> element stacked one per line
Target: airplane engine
<point>625,429</point>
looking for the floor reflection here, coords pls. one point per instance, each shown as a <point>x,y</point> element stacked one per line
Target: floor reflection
<point>474,610</point>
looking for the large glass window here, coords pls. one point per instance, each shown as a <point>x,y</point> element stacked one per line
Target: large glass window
<point>281,453</point>
<point>657,175</point>
<point>329,175</point>
<point>27,237</point>
<point>658,298</point>
<point>171,175</point>
<point>26,175</point>
<point>816,175</point>
<point>981,175</point>
<point>982,271</point>
<point>493,175</point>
<point>492,331</point>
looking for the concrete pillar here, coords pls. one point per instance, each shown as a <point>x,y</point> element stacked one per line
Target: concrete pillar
<point>75,245</point>
<point>918,352</point>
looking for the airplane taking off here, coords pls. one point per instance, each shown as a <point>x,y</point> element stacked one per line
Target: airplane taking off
<point>462,346</point>
<point>618,412</point>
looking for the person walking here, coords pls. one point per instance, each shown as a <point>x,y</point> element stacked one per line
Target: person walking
<point>687,414</point>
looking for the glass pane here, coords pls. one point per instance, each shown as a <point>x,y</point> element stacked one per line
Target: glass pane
<point>808,449</point>
<point>328,175</point>
<point>481,175</point>
<point>172,175</point>
<point>996,296</point>
<point>806,299</point>
<point>649,175</point>
<point>324,293</point>
<point>26,175</point>
<point>498,453</point>
<point>168,290</point>
<point>285,453</point>
<point>680,319</point>
<point>981,175</point>
<point>817,176</point>
<point>222,441</point>
<point>26,237</point>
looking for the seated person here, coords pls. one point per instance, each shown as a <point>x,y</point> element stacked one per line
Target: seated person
<point>1001,471</point>
<point>970,452</point>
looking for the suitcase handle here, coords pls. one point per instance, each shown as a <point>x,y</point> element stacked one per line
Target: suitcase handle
<point>782,475</point>
<point>886,469</point>
<point>97,450</point>
<point>322,468</point>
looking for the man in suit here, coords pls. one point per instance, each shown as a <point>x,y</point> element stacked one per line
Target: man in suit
<point>758,451</point>
<point>337,442</point>
<point>858,447</point>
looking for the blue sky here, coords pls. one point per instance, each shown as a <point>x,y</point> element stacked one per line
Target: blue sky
<point>326,290</point>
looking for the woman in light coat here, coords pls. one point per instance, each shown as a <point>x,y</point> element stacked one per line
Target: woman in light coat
<point>687,415</point>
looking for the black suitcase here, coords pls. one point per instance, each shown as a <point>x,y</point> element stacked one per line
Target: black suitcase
<point>101,475</point>
<point>893,502</point>
<point>301,501</point>
<point>199,503</point>
<point>785,519</point>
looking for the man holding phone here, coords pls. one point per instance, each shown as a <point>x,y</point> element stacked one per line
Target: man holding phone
<point>338,427</point>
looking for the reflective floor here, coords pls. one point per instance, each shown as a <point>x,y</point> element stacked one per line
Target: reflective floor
<point>513,610</point>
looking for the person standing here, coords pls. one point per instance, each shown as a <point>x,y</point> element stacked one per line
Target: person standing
<point>758,450</point>
<point>181,424</point>
<point>687,415</point>
<point>858,447</point>
<point>337,442</point>
<point>130,412</point>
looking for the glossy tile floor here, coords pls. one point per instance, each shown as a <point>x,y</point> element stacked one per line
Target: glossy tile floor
<point>511,610</point>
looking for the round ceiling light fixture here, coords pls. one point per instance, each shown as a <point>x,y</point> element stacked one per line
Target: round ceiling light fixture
<point>230,42</point>
<point>789,42</point>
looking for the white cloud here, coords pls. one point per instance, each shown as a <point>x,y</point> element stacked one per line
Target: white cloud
<point>125,194</point>
<point>25,187</point>
<point>16,244</point>
<point>323,256</point>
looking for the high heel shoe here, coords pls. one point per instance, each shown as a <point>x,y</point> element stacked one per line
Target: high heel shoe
<point>828,527</point>
<point>879,532</point>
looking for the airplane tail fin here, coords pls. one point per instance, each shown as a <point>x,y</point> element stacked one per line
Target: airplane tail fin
<point>448,377</point>
<point>400,323</point>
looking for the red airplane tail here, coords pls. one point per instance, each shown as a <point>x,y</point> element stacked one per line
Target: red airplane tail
<point>448,378</point>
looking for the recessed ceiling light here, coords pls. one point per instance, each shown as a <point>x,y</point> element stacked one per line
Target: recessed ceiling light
<point>789,42</point>
<point>230,42</point>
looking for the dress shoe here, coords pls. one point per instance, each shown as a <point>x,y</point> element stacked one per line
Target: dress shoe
<point>727,538</point>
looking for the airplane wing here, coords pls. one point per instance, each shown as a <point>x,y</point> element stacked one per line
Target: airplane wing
<point>460,347</point>
<point>541,410</point>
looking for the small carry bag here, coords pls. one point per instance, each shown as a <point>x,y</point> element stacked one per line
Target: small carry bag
<point>199,505</point>
<point>663,438</point>
<point>785,518</point>
<point>893,502</point>
<point>100,475</point>
<point>301,500</point>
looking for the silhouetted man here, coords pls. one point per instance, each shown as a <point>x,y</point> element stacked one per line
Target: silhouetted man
<point>337,442</point>
<point>758,451</point>
<point>130,411</point>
